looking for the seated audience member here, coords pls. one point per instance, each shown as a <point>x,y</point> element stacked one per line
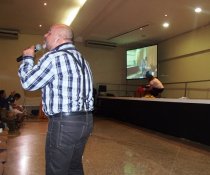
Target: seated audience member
<point>18,110</point>
<point>4,104</point>
<point>12,99</point>
<point>7,116</point>
<point>154,87</point>
<point>10,110</point>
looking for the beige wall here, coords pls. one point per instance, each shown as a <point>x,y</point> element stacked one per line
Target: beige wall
<point>183,58</point>
<point>186,58</point>
<point>108,65</point>
<point>10,49</point>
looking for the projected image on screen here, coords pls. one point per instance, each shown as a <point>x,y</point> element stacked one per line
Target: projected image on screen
<point>141,60</point>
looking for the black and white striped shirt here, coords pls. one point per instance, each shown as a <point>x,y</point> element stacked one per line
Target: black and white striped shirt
<point>59,75</point>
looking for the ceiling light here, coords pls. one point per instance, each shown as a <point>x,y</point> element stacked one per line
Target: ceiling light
<point>72,12</point>
<point>82,2</point>
<point>45,4</point>
<point>198,10</point>
<point>165,24</point>
<point>40,25</point>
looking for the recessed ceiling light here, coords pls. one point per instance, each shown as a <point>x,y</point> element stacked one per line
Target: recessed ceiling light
<point>40,25</point>
<point>165,15</point>
<point>198,9</point>
<point>45,4</point>
<point>166,24</point>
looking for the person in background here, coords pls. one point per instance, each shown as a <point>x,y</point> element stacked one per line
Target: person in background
<point>4,107</point>
<point>12,99</point>
<point>8,102</point>
<point>67,98</point>
<point>154,87</point>
<point>7,115</point>
<point>143,67</point>
<point>4,104</point>
<point>15,108</point>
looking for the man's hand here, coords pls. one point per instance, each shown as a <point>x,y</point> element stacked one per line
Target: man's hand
<point>29,51</point>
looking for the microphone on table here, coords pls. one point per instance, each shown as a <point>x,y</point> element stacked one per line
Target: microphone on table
<point>37,48</point>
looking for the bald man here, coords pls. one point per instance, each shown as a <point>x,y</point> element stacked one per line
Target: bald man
<point>65,79</point>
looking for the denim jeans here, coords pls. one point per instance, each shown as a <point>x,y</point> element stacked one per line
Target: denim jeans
<point>65,143</point>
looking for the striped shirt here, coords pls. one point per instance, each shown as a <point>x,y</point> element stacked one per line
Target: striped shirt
<point>59,75</point>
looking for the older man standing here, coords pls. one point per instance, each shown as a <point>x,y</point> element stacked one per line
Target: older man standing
<point>65,79</point>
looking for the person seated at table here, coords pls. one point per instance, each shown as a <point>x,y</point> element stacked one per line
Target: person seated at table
<point>155,86</point>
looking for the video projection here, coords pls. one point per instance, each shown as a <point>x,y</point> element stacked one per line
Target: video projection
<point>141,60</point>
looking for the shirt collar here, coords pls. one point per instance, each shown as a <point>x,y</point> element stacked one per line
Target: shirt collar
<point>64,46</point>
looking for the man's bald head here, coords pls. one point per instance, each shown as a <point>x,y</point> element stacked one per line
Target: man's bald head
<point>64,31</point>
<point>57,35</point>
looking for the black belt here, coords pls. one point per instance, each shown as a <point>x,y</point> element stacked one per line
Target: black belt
<point>67,114</point>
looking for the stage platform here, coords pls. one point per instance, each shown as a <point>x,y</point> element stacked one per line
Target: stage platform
<point>184,118</point>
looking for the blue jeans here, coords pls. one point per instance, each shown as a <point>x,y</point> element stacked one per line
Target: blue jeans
<point>65,143</point>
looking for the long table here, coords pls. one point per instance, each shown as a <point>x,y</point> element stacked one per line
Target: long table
<point>184,118</point>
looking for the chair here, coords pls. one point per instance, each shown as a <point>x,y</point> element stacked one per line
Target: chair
<point>102,89</point>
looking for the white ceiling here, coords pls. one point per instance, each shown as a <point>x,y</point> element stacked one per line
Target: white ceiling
<point>116,21</point>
